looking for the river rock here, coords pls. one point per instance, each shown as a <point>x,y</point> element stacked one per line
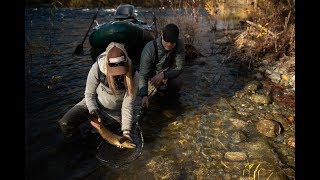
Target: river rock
<point>244,113</point>
<point>265,91</point>
<point>240,94</point>
<point>291,142</point>
<point>268,128</point>
<point>191,53</point>
<point>260,99</point>
<point>238,123</point>
<point>252,86</point>
<point>235,156</point>
<point>223,40</point>
<point>238,137</point>
<point>275,77</point>
<point>290,173</point>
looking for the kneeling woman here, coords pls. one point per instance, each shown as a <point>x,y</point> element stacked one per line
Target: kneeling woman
<point>110,93</point>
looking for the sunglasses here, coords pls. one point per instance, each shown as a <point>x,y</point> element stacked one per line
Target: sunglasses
<point>117,64</point>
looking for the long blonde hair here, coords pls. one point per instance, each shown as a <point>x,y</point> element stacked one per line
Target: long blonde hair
<point>128,82</point>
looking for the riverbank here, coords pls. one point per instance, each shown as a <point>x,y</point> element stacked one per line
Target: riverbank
<point>278,74</point>
<point>264,107</point>
<point>249,133</point>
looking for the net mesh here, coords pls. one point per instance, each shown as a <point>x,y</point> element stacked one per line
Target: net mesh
<point>113,156</point>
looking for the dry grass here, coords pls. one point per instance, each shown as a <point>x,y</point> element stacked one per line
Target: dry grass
<point>270,28</point>
<point>187,23</point>
<point>268,33</point>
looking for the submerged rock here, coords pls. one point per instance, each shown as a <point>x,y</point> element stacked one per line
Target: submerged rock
<point>235,156</point>
<point>253,86</point>
<point>238,137</point>
<point>260,99</point>
<point>268,128</point>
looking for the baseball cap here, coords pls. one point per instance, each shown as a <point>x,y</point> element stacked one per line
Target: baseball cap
<point>117,62</point>
<point>170,33</point>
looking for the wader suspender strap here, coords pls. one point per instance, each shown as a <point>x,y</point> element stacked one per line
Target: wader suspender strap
<point>169,60</point>
<point>155,51</point>
<point>152,72</point>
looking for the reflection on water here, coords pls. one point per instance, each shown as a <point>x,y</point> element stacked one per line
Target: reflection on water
<point>179,135</point>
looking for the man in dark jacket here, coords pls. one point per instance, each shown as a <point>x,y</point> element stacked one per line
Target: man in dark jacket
<point>162,61</point>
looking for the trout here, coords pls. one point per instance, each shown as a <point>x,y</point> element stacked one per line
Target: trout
<point>116,140</point>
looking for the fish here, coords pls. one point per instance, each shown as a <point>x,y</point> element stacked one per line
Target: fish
<point>113,139</point>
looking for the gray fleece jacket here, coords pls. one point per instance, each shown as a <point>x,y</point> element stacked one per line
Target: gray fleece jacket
<point>118,106</point>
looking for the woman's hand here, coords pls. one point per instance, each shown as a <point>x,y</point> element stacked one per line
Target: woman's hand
<point>94,116</point>
<point>95,124</point>
<point>95,119</point>
<point>126,134</point>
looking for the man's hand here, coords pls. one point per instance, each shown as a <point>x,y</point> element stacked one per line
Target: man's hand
<point>145,102</point>
<point>156,81</point>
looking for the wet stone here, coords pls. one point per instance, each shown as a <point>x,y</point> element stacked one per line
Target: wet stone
<point>244,113</point>
<point>260,99</point>
<point>227,177</point>
<point>268,128</point>
<point>238,137</point>
<point>275,77</point>
<point>290,173</point>
<point>264,91</point>
<point>235,156</point>
<point>240,94</point>
<point>252,86</point>
<point>238,123</point>
<point>279,138</point>
<point>291,142</point>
